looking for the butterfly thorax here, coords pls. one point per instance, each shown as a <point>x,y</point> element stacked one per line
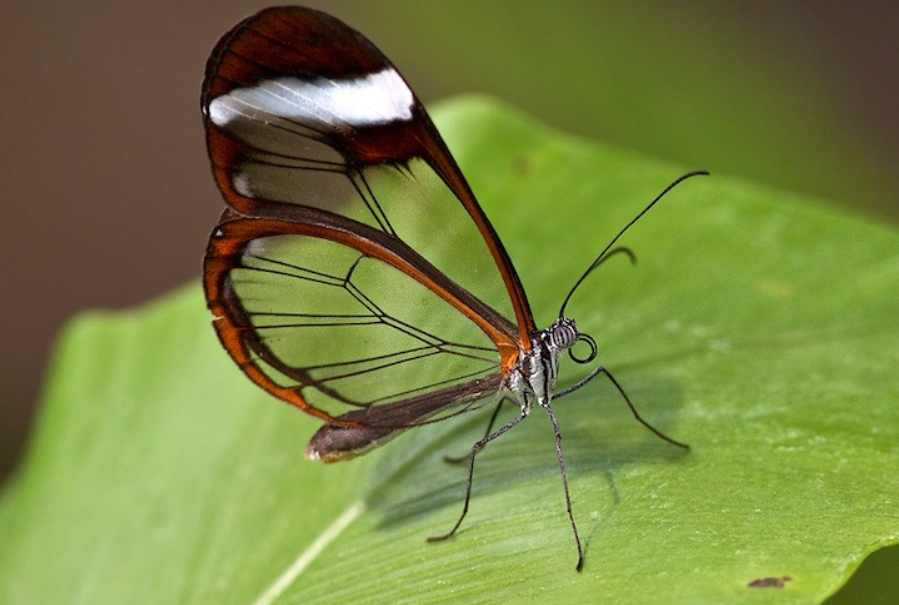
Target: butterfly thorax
<point>535,375</point>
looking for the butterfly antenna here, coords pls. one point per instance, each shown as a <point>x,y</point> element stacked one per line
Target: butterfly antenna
<point>607,252</point>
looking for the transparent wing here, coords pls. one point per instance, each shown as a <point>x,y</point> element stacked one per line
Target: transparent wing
<point>354,269</point>
<point>330,321</point>
<point>302,111</point>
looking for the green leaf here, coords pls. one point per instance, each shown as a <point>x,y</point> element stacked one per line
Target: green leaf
<point>759,326</point>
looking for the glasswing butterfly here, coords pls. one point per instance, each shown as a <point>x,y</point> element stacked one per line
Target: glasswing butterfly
<point>353,274</point>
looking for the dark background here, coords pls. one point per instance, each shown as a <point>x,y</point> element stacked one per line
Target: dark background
<point>107,199</point>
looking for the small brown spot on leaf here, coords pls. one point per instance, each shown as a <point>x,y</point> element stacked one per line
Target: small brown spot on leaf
<point>770,582</point>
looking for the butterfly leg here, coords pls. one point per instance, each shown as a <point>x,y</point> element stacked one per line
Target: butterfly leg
<point>552,417</point>
<point>493,417</point>
<point>601,370</point>
<point>525,410</point>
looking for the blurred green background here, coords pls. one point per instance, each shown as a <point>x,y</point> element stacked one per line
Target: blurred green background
<point>108,200</point>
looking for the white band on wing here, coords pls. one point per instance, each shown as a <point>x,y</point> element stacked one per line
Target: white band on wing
<point>378,98</point>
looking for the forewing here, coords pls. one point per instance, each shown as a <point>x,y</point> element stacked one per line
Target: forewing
<point>301,110</point>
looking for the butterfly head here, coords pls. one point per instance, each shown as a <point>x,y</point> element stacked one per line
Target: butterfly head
<point>563,335</point>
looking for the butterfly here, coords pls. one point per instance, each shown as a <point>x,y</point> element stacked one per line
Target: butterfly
<point>353,273</point>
